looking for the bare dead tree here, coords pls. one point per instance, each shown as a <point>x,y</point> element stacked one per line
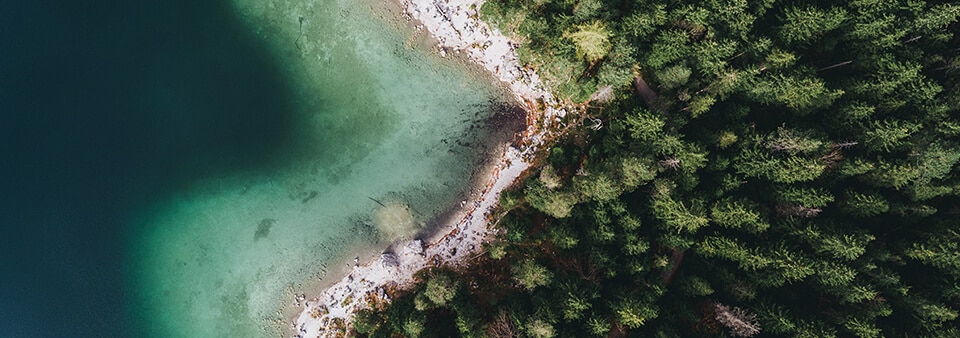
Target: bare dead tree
<point>603,95</point>
<point>915,38</point>
<point>597,123</point>
<point>788,209</point>
<point>670,163</point>
<point>844,144</point>
<point>833,158</point>
<point>782,147</point>
<point>501,327</point>
<point>740,322</point>
<point>791,141</point>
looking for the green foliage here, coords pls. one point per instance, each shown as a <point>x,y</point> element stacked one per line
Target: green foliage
<point>738,215</point>
<point>936,314</point>
<point>700,104</point>
<point>938,17</point>
<point>864,205</point>
<point>888,134</point>
<point>788,266</point>
<point>440,289</point>
<point>556,203</point>
<point>587,9</point>
<point>563,236</point>
<point>798,93</point>
<point>670,46</point>
<point>833,274</point>
<point>673,77</point>
<point>414,327</point>
<point>861,328</point>
<point>726,139</point>
<point>531,275</point>
<point>856,167</point>
<point>732,250</point>
<point>808,197</point>
<point>633,313</point>
<point>497,250</point>
<point>365,321</point>
<point>598,326</point>
<point>711,55</point>
<point>468,320</point>
<point>780,59</point>
<point>695,287</point>
<point>597,187</point>
<point>844,247</point>
<point>775,319</point>
<point>936,162</point>
<point>549,178</point>
<point>591,39</point>
<point>633,172</point>
<point>538,328</point>
<point>677,216</point>
<point>574,307</point>
<point>890,77</point>
<point>793,142</point>
<point>791,169</point>
<point>941,252</point>
<point>644,125</point>
<point>802,25</point>
<point>642,23</point>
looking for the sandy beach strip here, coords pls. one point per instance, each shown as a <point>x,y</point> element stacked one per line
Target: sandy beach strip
<point>456,26</point>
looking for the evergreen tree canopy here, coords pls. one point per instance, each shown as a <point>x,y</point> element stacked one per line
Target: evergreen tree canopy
<point>771,168</point>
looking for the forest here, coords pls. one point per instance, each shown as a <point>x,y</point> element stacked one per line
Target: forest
<point>767,168</point>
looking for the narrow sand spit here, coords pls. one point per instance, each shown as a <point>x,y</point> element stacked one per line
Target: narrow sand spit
<point>455,25</point>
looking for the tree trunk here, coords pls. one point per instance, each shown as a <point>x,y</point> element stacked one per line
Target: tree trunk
<point>641,88</point>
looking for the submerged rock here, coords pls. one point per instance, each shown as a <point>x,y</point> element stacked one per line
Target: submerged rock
<point>263,229</point>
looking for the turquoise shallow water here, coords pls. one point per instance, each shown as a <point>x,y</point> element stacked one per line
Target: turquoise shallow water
<point>385,138</point>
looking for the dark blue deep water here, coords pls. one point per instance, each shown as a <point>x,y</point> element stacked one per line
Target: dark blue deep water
<point>106,106</point>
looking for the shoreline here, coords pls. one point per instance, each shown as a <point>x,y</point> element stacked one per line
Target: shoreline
<point>455,25</point>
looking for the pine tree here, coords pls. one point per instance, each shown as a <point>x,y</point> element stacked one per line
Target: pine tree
<point>676,215</point>
<point>941,251</point>
<point>795,92</point>
<point>864,204</point>
<point>803,25</point>
<point>530,275</point>
<point>884,136</point>
<point>592,41</point>
<point>556,203</point>
<point>740,215</point>
<point>440,289</point>
<point>633,312</point>
<point>807,197</point>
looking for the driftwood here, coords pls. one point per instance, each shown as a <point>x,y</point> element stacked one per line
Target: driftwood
<point>378,202</point>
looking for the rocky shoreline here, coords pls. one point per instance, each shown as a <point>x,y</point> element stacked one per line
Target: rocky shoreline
<point>456,26</point>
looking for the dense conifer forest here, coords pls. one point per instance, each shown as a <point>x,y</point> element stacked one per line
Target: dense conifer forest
<point>767,168</point>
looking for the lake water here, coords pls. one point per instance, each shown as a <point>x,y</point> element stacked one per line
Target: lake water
<point>175,168</point>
